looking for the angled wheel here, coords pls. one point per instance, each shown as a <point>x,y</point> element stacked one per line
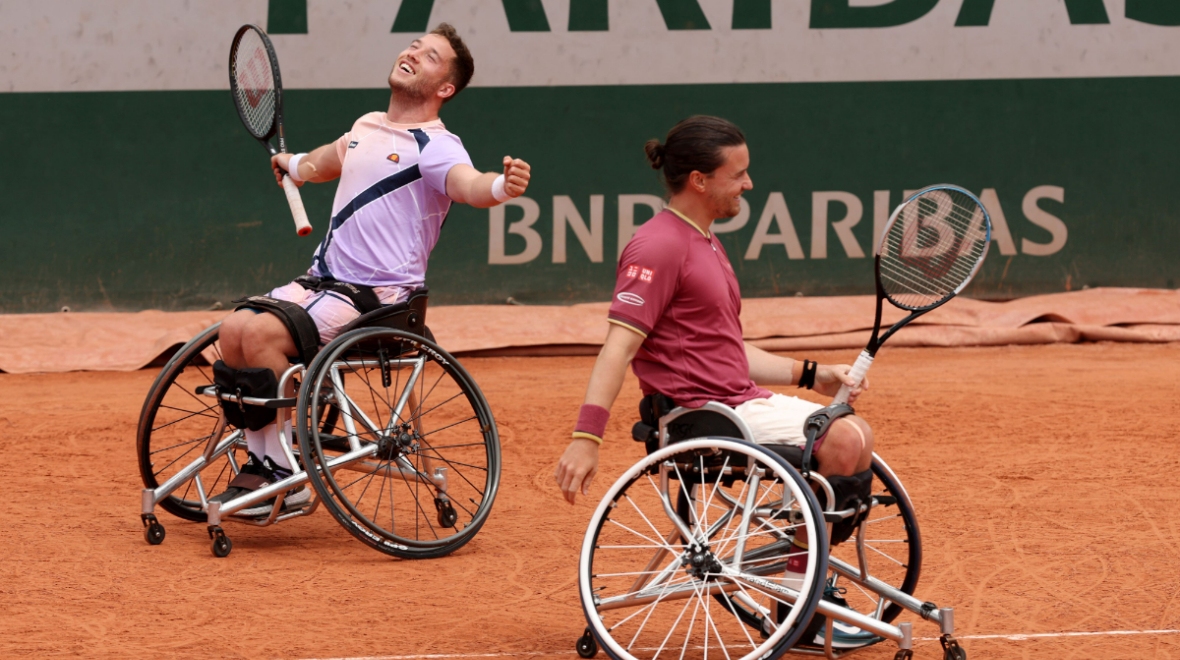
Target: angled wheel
<point>411,463</point>
<point>176,424</point>
<point>690,536</point>
<point>891,547</point>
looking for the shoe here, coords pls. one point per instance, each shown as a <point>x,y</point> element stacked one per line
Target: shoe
<point>293,499</point>
<point>844,636</point>
<point>245,481</point>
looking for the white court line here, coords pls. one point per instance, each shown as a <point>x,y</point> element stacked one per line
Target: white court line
<point>443,656</point>
<point>1016,638</point>
<point>1023,636</point>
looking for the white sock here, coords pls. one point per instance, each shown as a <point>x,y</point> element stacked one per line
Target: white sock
<point>256,441</point>
<point>274,448</point>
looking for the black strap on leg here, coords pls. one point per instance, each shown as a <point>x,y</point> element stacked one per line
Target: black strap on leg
<point>854,493</point>
<point>226,380</point>
<point>816,426</point>
<point>259,383</point>
<point>299,323</point>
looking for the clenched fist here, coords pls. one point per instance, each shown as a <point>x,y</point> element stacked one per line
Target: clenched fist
<point>516,176</point>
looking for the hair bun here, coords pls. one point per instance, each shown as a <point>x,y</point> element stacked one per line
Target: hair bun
<point>655,153</point>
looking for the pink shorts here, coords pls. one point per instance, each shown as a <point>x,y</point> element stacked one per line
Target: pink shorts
<point>330,310</point>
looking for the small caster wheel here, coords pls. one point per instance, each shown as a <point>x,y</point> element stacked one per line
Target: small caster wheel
<point>446,513</point>
<point>904,654</point>
<point>221,543</point>
<point>587,646</point>
<point>951,649</point>
<point>154,533</point>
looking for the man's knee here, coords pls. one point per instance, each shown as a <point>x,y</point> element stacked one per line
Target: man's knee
<point>231,328</point>
<point>263,334</point>
<point>845,448</point>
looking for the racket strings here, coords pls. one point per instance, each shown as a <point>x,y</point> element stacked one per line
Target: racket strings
<point>932,248</point>
<point>254,84</point>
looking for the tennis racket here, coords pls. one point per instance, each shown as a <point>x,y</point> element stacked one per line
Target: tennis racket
<point>932,246</point>
<point>258,95</point>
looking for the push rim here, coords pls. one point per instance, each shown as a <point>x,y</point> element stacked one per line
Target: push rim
<point>671,595</point>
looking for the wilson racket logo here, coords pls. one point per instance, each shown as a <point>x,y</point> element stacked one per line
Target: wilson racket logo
<point>256,78</point>
<point>631,298</point>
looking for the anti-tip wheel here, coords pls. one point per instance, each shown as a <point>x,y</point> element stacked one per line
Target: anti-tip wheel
<point>221,543</point>
<point>951,649</point>
<point>587,647</point>
<point>447,517</point>
<point>154,533</point>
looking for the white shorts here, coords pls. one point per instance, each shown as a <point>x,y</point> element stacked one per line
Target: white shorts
<point>330,310</point>
<point>778,420</point>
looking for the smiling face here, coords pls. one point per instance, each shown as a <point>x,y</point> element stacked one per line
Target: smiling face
<point>723,187</point>
<point>423,70</point>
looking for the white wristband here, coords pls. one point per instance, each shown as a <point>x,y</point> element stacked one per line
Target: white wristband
<point>498,191</point>
<point>293,167</point>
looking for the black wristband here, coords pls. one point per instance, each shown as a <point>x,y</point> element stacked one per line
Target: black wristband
<point>807,379</point>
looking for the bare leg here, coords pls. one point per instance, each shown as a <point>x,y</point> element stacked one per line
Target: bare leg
<point>847,449</point>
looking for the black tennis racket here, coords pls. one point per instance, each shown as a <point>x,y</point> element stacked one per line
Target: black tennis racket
<point>258,95</point>
<point>932,246</point>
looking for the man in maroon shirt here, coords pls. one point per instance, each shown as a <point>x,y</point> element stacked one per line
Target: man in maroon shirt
<point>675,319</point>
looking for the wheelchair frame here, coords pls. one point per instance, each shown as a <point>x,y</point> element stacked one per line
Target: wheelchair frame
<point>374,447</point>
<point>858,573</point>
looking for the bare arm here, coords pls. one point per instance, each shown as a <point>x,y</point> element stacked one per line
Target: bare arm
<point>320,165</point>
<point>770,369</point>
<point>579,464</point>
<point>467,185</point>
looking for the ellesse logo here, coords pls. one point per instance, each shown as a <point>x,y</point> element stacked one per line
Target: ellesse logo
<point>631,298</point>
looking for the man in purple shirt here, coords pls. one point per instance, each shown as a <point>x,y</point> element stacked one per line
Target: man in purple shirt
<point>675,319</point>
<point>399,172</point>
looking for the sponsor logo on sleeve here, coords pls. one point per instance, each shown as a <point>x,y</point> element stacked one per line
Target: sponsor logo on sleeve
<point>631,298</point>
<point>641,273</point>
<point>352,145</point>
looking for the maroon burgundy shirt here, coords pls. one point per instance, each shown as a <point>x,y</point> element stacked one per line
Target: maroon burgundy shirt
<point>675,286</point>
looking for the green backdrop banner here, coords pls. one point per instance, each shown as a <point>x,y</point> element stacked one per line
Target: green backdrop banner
<point>133,200</point>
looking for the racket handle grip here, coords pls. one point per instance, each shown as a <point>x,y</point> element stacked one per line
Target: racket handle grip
<point>302,226</point>
<point>857,373</point>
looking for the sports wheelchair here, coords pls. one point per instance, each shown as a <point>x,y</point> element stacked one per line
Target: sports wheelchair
<point>393,434</point>
<point>686,554</point>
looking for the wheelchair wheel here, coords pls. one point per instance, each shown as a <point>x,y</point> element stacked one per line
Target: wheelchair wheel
<point>410,464</point>
<point>690,536</point>
<point>176,424</point>
<point>892,548</point>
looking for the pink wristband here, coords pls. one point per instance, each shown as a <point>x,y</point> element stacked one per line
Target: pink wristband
<point>592,419</point>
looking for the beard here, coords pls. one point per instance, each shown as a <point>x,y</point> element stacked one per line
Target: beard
<point>725,206</point>
<point>410,90</point>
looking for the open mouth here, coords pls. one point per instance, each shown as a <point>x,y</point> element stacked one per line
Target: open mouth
<point>406,68</point>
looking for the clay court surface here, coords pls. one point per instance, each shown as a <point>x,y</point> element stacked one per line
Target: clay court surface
<point>1044,479</point>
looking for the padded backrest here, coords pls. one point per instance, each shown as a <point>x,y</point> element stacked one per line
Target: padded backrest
<point>408,315</point>
<point>702,423</point>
